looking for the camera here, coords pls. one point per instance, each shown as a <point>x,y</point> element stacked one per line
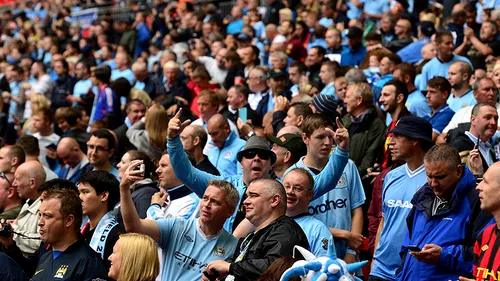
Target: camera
<point>5,230</point>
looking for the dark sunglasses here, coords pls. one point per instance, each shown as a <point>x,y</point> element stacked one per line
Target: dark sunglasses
<point>251,154</point>
<point>4,176</point>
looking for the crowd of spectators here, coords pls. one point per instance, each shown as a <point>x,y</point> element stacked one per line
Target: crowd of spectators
<point>174,141</point>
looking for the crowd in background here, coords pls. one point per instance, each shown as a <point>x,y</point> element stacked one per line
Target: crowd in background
<point>225,140</point>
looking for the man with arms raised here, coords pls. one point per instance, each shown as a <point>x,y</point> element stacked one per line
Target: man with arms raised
<point>188,244</point>
<point>256,159</point>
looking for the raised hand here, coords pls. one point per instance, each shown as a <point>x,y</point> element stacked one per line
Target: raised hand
<point>131,175</point>
<point>475,161</point>
<point>340,136</point>
<point>175,126</point>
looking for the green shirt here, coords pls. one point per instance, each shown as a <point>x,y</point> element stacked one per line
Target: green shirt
<point>11,213</point>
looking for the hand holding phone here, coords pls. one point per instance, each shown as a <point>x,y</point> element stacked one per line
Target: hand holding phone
<point>414,248</point>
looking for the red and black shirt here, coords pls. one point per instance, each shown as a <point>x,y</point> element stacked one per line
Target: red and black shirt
<point>487,254</point>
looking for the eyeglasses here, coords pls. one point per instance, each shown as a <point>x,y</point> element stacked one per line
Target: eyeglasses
<point>250,154</point>
<point>4,176</point>
<point>97,148</point>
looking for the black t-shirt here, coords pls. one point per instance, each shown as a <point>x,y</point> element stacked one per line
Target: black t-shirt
<point>113,236</point>
<point>478,59</point>
<point>78,262</point>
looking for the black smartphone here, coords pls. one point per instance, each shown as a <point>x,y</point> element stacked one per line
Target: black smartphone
<point>478,139</point>
<point>414,248</point>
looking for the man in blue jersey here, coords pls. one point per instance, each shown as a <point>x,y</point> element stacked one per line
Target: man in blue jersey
<point>226,146</point>
<point>411,138</point>
<point>256,159</point>
<point>416,102</point>
<point>438,91</point>
<point>299,185</point>
<point>459,75</point>
<point>341,208</point>
<point>188,244</point>
<point>439,65</point>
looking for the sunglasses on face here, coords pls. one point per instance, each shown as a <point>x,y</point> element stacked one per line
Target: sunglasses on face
<point>251,154</point>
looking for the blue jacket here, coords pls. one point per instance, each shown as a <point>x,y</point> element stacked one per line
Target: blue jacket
<point>143,37</point>
<point>454,229</point>
<point>225,159</point>
<point>198,180</point>
<point>63,173</point>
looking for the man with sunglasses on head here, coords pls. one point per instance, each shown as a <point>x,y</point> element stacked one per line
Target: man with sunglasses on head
<point>100,149</point>
<point>10,202</point>
<point>256,160</point>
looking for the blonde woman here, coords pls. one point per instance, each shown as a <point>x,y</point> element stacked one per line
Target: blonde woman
<point>38,102</point>
<point>149,135</point>
<point>134,258</point>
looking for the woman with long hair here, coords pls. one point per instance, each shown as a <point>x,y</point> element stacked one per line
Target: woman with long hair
<point>134,258</point>
<point>149,136</point>
<point>143,190</point>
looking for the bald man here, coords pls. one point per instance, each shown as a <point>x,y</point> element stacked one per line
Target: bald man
<point>27,179</point>
<point>31,149</point>
<point>226,145</point>
<point>402,31</point>
<point>194,139</point>
<point>75,161</point>
<point>266,205</point>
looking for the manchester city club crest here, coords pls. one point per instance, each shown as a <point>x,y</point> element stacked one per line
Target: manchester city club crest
<point>61,271</point>
<point>324,241</point>
<point>219,251</point>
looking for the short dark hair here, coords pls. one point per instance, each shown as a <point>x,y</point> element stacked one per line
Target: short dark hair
<point>400,88</point>
<point>29,144</point>
<point>407,69</point>
<point>56,184</point>
<point>242,89</point>
<point>440,83</point>
<point>105,134</point>
<point>72,204</point>
<point>300,65</point>
<point>373,36</point>
<point>301,108</point>
<point>393,58</point>
<point>102,74</point>
<point>321,50</point>
<point>102,182</point>
<point>440,34</point>
<point>16,151</point>
<point>64,63</point>
<point>315,121</point>
<point>130,102</point>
